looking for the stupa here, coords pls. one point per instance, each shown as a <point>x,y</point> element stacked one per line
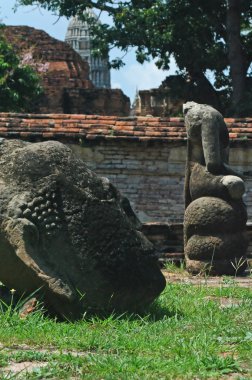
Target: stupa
<point>78,36</point>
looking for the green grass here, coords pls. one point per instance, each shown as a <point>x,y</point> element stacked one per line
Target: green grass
<point>172,267</point>
<point>184,335</point>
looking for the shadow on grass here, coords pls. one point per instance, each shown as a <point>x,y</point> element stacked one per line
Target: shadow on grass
<point>151,313</point>
<point>156,312</point>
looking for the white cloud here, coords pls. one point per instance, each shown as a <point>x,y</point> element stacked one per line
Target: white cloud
<point>115,84</point>
<point>134,76</point>
<point>145,76</point>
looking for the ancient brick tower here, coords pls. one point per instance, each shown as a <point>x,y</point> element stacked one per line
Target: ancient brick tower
<point>78,36</point>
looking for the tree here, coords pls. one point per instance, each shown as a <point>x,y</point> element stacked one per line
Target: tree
<point>204,36</point>
<point>19,84</point>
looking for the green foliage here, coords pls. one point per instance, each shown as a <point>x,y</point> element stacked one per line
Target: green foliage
<point>19,84</point>
<point>192,31</point>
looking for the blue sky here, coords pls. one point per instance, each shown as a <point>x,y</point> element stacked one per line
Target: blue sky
<point>131,77</point>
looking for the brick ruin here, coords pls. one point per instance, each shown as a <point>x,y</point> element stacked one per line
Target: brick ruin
<point>168,98</point>
<point>101,101</point>
<point>64,76</point>
<point>157,102</point>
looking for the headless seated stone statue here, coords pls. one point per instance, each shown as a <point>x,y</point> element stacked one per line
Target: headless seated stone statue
<point>215,217</point>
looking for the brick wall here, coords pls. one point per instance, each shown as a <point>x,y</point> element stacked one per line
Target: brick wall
<point>103,101</point>
<point>151,175</point>
<point>144,157</point>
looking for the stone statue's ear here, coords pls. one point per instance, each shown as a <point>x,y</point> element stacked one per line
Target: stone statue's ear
<point>210,133</point>
<point>23,237</point>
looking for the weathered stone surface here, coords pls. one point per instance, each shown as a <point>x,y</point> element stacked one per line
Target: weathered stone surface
<point>215,217</point>
<point>69,232</point>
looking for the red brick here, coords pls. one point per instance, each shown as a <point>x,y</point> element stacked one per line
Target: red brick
<point>48,135</point>
<point>93,126</point>
<point>125,123</point>
<point>229,120</point>
<point>25,134</point>
<point>233,135</point>
<point>70,130</point>
<point>123,128</point>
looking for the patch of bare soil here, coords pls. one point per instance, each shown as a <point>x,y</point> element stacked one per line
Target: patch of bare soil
<point>16,369</point>
<point>225,302</point>
<point>46,350</point>
<point>186,278</point>
<point>23,367</point>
